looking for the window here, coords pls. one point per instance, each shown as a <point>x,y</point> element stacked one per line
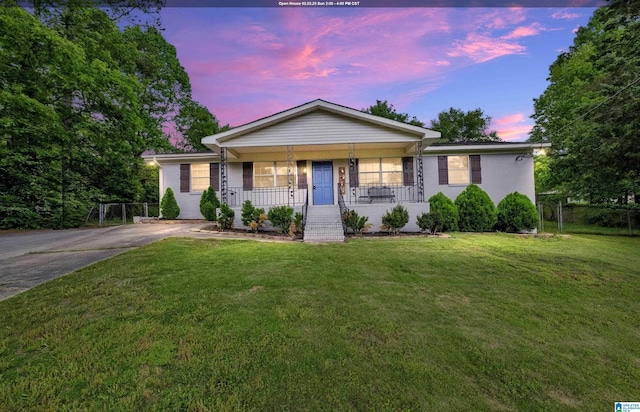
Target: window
<point>200,180</point>
<point>271,174</point>
<point>459,170</point>
<point>458,167</point>
<point>380,171</point>
<point>196,177</point>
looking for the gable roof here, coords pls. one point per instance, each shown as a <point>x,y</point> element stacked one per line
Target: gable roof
<point>235,135</point>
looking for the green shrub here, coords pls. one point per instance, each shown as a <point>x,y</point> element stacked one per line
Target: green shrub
<point>516,213</point>
<point>396,219</point>
<point>356,223</point>
<point>169,206</point>
<point>209,203</point>
<point>431,222</point>
<point>281,217</point>
<point>225,218</point>
<point>447,209</point>
<point>297,223</point>
<point>252,217</point>
<point>606,217</point>
<point>477,213</point>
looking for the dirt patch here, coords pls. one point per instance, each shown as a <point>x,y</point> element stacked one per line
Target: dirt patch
<point>256,289</point>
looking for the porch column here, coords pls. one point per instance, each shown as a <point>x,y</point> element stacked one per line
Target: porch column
<point>223,176</point>
<point>291,180</point>
<point>420,172</point>
<point>353,170</point>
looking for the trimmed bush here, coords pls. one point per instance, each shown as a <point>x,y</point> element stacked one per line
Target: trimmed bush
<point>516,213</point>
<point>476,210</point>
<point>431,222</point>
<point>209,203</point>
<point>356,223</point>
<point>169,206</point>
<point>225,218</point>
<point>252,217</point>
<point>281,217</point>
<point>448,211</point>
<point>396,219</point>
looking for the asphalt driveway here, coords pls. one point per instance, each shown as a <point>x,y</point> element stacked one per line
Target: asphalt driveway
<point>30,258</point>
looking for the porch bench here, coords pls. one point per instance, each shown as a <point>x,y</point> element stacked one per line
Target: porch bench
<point>378,194</point>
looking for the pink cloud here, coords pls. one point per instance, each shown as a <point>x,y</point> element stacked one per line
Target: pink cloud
<point>481,48</point>
<point>513,127</point>
<point>263,62</point>
<point>564,15</point>
<point>522,31</point>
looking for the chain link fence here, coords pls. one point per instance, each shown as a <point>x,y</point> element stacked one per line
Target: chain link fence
<point>109,214</point>
<point>559,217</point>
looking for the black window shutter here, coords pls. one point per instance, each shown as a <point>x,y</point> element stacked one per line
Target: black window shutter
<point>353,173</point>
<point>302,174</point>
<point>185,177</point>
<point>407,171</point>
<point>247,176</point>
<point>476,169</point>
<point>214,175</point>
<point>443,170</point>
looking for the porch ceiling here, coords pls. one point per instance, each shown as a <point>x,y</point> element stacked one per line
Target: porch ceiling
<point>320,151</point>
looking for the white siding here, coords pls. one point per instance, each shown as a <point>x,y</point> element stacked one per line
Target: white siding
<point>189,203</point>
<point>320,127</point>
<point>501,175</point>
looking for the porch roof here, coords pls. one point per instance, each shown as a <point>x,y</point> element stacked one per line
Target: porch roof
<point>315,124</point>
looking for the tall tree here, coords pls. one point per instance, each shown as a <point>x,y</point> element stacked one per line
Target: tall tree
<point>456,125</point>
<point>385,109</point>
<point>589,111</point>
<point>194,122</point>
<point>81,100</point>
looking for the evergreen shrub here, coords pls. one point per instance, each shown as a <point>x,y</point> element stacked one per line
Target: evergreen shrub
<point>448,211</point>
<point>516,213</point>
<point>396,219</point>
<point>476,210</point>
<point>209,203</point>
<point>169,208</point>
<point>281,217</point>
<point>225,217</point>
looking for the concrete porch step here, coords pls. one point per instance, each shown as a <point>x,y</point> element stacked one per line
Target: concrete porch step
<point>324,224</point>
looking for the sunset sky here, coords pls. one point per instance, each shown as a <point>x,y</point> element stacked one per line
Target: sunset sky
<point>247,63</point>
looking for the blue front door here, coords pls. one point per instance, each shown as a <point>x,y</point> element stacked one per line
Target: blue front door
<point>322,183</point>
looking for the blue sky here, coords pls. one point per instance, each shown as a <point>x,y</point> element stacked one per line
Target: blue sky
<point>248,63</point>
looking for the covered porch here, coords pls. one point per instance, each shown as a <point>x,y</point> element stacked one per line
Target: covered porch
<point>316,152</point>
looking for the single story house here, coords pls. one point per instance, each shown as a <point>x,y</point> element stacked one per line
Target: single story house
<point>322,156</point>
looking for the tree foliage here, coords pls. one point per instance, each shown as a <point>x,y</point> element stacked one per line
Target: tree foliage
<point>194,122</point>
<point>83,96</point>
<point>456,125</point>
<point>385,109</point>
<point>589,110</point>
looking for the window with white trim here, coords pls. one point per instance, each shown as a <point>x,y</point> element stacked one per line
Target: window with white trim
<point>380,171</point>
<point>272,174</point>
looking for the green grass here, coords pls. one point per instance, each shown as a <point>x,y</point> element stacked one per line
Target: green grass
<point>475,322</point>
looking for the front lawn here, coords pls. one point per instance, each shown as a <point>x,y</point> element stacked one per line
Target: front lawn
<point>475,322</point>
